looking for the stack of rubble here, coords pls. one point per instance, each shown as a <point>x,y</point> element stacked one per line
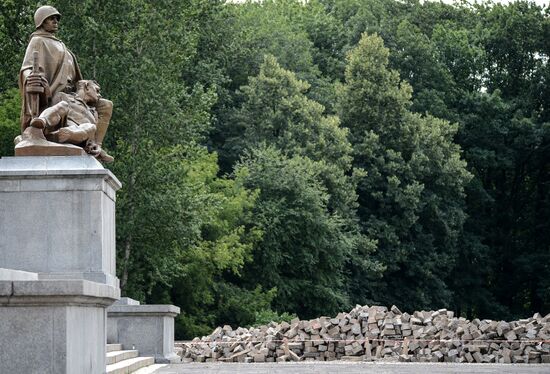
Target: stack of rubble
<point>376,333</point>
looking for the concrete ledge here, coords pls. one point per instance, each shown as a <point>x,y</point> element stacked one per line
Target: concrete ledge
<point>41,166</point>
<point>56,292</point>
<point>92,276</point>
<point>143,310</point>
<point>126,301</point>
<point>16,275</point>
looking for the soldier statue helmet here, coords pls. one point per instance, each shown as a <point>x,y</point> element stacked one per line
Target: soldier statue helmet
<point>44,12</point>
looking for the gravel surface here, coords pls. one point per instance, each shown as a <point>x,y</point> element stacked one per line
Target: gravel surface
<point>352,368</point>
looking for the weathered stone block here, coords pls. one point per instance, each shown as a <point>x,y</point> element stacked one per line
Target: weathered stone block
<point>57,217</point>
<point>60,322</point>
<point>147,328</point>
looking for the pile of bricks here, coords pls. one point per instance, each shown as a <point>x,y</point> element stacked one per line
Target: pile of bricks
<point>376,333</point>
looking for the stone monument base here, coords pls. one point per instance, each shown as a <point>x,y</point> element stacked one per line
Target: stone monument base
<point>147,328</point>
<point>52,326</point>
<point>57,253</point>
<point>57,217</point>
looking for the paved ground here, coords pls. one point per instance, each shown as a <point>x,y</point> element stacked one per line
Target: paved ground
<point>352,368</point>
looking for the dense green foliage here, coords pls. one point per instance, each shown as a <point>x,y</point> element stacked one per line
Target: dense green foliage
<point>412,196</point>
<point>284,158</point>
<point>306,204</point>
<point>10,107</point>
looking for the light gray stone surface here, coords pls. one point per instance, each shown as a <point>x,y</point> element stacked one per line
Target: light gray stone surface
<point>10,274</point>
<point>57,217</point>
<point>353,368</point>
<point>53,327</point>
<point>57,237</point>
<point>50,292</point>
<point>39,165</point>
<point>126,301</point>
<point>152,310</point>
<point>147,328</point>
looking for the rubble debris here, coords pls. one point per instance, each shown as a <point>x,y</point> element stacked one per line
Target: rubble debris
<point>378,333</point>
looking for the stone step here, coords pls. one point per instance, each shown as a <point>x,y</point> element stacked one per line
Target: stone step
<point>130,365</point>
<point>117,356</point>
<point>114,347</point>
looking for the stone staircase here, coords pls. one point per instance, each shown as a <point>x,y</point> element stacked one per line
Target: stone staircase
<point>121,361</point>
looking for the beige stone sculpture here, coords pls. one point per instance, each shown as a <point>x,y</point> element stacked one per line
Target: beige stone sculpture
<point>61,113</point>
<point>73,119</point>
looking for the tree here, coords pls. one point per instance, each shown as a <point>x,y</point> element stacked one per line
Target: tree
<point>251,31</point>
<point>460,51</point>
<point>303,247</point>
<point>507,204</point>
<point>15,25</point>
<point>419,62</point>
<point>276,111</point>
<point>513,40</point>
<point>412,197</point>
<point>10,107</point>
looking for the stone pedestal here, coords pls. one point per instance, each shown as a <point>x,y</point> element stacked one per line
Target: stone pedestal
<point>53,326</point>
<point>57,217</point>
<point>57,264</point>
<point>147,328</point>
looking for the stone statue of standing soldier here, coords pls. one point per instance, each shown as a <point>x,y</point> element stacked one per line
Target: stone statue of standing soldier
<point>61,114</point>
